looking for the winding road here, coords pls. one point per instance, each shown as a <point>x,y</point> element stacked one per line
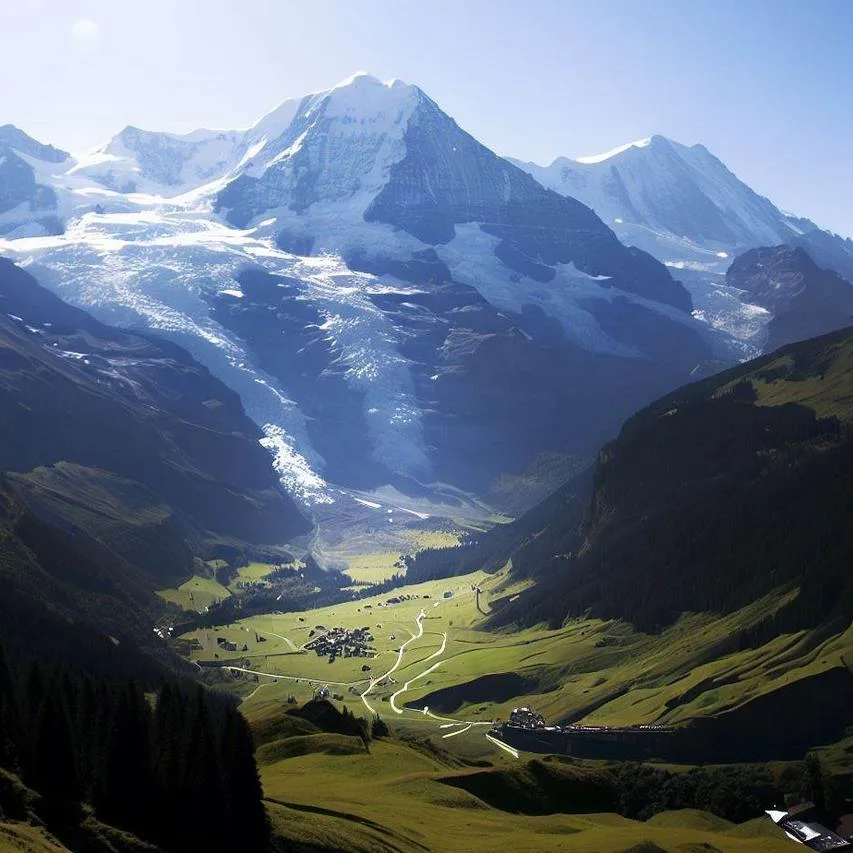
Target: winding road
<point>405,687</point>
<point>400,652</point>
<point>459,726</point>
<point>502,745</point>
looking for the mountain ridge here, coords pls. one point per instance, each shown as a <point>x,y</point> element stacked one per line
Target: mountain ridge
<point>805,299</point>
<point>426,278</point>
<point>138,419</point>
<point>686,208</point>
<point>744,469</point>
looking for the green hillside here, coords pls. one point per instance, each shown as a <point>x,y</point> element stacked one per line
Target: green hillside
<point>700,577</point>
<point>714,496</point>
<point>408,794</point>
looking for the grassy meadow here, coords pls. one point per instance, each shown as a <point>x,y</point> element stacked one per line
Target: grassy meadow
<point>595,671</point>
<point>404,797</point>
<point>197,593</point>
<point>408,792</point>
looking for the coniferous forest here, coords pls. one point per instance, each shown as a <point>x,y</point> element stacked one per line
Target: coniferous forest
<point>173,766</point>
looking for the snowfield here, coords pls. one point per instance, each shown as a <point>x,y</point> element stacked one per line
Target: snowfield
<point>159,228</point>
<point>158,268</point>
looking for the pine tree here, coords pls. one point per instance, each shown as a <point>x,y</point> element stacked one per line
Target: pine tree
<point>203,778</point>
<point>812,781</point>
<point>125,791</point>
<point>170,748</point>
<point>183,776</point>
<point>89,737</point>
<point>10,729</point>
<point>33,692</point>
<point>53,767</point>
<point>379,728</point>
<point>248,819</point>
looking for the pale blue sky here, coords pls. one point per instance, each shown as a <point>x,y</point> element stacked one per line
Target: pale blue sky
<point>767,85</point>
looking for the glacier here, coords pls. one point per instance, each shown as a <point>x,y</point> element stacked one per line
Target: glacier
<point>157,268</point>
<point>407,249</point>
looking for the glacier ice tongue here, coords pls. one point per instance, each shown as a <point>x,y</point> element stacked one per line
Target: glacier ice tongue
<point>159,267</point>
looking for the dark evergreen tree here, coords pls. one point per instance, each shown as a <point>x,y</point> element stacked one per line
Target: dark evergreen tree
<point>182,774</point>
<point>812,781</point>
<point>203,781</point>
<point>34,691</point>
<point>88,737</point>
<point>53,767</point>
<point>124,790</point>
<point>247,816</point>
<point>379,728</point>
<point>170,750</point>
<point>10,729</point>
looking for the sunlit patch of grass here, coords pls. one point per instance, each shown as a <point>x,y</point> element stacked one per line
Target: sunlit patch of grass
<point>197,593</point>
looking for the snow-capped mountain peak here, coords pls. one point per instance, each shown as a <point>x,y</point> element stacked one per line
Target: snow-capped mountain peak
<point>600,158</point>
<point>677,201</point>
<point>164,164</point>
<point>358,95</point>
<point>14,138</point>
<point>683,205</point>
<point>370,168</point>
<point>332,146</point>
<point>370,277</point>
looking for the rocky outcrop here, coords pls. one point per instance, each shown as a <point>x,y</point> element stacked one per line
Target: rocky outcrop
<point>23,200</point>
<point>804,299</point>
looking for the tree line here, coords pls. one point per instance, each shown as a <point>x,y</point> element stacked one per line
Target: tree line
<point>174,766</point>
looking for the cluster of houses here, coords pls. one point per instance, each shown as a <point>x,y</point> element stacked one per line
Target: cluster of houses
<point>228,646</point>
<point>398,599</point>
<point>343,643</point>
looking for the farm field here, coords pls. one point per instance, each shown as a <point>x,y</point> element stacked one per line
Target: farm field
<point>373,568</point>
<point>377,566</point>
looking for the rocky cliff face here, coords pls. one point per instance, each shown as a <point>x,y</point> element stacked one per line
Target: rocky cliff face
<point>26,204</point>
<point>466,393</point>
<point>804,299</point>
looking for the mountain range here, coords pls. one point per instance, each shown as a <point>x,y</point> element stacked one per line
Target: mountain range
<point>392,301</point>
<point>205,339</point>
<point>684,206</point>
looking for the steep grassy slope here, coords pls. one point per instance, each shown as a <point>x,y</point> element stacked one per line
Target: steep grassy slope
<point>714,496</point>
<point>67,597</point>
